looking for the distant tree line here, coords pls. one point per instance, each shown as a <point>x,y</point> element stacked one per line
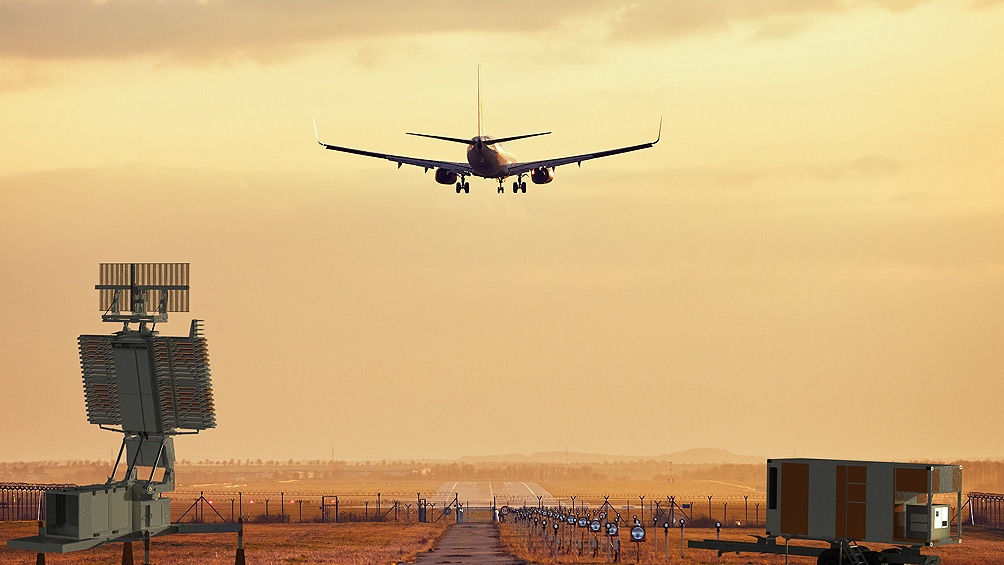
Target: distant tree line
<point>978,475</point>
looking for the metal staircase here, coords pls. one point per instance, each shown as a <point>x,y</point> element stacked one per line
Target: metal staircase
<point>852,552</point>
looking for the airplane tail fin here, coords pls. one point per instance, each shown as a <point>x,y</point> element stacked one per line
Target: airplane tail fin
<point>480,119</point>
<point>480,126</point>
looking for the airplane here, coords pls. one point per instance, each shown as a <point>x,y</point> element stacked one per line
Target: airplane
<point>487,157</point>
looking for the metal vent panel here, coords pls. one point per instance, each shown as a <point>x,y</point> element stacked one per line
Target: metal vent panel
<point>182,379</point>
<point>97,364</point>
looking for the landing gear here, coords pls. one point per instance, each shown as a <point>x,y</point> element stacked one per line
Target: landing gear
<point>463,186</point>
<point>518,185</point>
<point>501,190</point>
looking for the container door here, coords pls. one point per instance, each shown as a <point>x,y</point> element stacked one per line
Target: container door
<point>795,499</point>
<point>852,489</point>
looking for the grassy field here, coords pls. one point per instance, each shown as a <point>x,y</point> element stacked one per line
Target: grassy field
<point>265,544</point>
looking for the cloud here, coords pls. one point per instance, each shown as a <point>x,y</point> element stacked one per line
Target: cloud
<point>263,29</point>
<point>220,29</point>
<point>766,19</point>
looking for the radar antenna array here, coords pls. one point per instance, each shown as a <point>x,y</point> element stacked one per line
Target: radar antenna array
<point>135,286</point>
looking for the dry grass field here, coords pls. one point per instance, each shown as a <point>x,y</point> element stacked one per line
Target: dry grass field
<point>265,544</point>
<point>374,543</point>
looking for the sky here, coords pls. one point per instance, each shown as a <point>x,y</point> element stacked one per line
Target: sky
<point>810,262</point>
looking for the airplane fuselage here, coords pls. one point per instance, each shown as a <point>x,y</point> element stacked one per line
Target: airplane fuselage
<point>488,159</point>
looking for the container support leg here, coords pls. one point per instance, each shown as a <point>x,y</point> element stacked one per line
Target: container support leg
<point>239,558</point>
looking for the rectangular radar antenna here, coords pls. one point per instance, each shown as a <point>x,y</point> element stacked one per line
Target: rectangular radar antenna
<point>142,292</point>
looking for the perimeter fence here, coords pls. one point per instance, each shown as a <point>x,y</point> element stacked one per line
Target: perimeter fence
<point>291,507</point>
<point>24,501</point>
<point>986,509</point>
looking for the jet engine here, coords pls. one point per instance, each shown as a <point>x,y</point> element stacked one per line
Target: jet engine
<point>542,175</point>
<point>444,176</point>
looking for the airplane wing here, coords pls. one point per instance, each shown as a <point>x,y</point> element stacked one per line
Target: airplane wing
<point>521,168</point>
<point>459,168</point>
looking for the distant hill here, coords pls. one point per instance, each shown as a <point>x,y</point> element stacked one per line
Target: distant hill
<point>696,456</point>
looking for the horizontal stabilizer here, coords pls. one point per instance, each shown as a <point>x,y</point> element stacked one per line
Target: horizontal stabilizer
<point>443,138</point>
<point>515,137</point>
<point>487,140</point>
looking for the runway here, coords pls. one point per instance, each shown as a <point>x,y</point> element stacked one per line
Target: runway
<point>503,492</point>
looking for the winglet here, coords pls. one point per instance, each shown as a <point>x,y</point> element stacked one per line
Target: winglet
<point>317,137</point>
<point>659,135</point>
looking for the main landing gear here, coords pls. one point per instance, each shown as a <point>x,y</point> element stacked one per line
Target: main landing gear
<point>464,186</point>
<point>517,186</point>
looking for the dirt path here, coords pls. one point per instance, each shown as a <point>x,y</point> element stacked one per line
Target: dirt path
<point>469,543</point>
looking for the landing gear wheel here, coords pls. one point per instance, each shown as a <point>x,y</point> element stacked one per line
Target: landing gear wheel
<point>467,187</point>
<point>522,187</point>
<point>459,187</point>
<point>515,187</point>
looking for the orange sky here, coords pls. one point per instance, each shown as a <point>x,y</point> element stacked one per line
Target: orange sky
<point>811,260</point>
